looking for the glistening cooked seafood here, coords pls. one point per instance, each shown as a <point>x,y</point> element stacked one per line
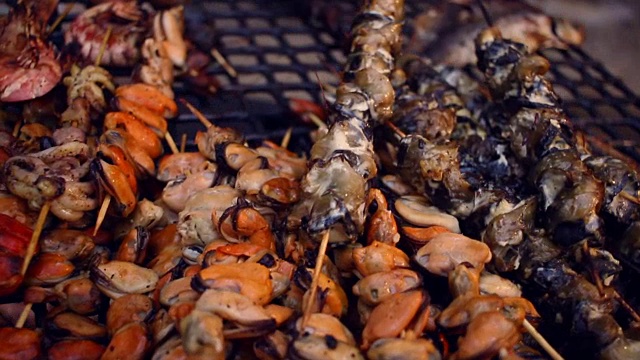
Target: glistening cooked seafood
<point>29,65</point>
<point>218,256</point>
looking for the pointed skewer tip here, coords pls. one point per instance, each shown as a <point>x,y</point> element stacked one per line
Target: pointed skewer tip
<point>103,46</point>
<point>316,276</point>
<point>102,213</point>
<point>396,129</point>
<point>23,316</point>
<point>183,142</point>
<point>171,142</point>
<point>286,138</point>
<point>200,116</point>
<point>316,120</point>
<point>542,341</point>
<point>225,64</point>
<point>37,230</point>
<point>59,19</point>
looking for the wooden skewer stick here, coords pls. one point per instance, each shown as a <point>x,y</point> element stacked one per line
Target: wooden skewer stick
<point>598,283</point>
<point>324,96</point>
<point>594,274</point>
<point>286,138</point>
<point>16,129</point>
<point>102,213</point>
<point>316,120</point>
<point>37,230</point>
<point>65,12</point>
<point>24,315</point>
<point>316,276</point>
<point>171,142</point>
<point>396,129</point>
<point>103,46</point>
<point>542,341</point>
<point>626,306</point>
<point>627,196</point>
<point>197,113</point>
<point>606,148</point>
<point>225,64</point>
<point>183,142</point>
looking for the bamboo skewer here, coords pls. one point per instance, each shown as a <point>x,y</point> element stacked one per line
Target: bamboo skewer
<point>58,21</point>
<point>16,129</point>
<point>542,341</point>
<point>225,64</point>
<point>23,315</point>
<point>37,230</point>
<point>102,213</point>
<point>316,276</point>
<point>627,196</point>
<point>199,115</point>
<point>316,120</point>
<point>626,306</point>
<point>183,142</point>
<point>103,46</point>
<point>396,129</point>
<point>286,138</point>
<point>171,143</point>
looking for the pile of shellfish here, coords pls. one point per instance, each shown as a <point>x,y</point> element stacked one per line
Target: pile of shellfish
<point>437,215</point>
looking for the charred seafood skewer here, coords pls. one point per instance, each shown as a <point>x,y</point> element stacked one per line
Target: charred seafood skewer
<point>342,161</point>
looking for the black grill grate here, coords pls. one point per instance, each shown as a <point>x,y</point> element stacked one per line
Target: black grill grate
<point>598,102</point>
<point>280,48</point>
<point>278,56</point>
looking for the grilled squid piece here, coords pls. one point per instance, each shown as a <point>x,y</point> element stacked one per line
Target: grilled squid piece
<point>87,84</point>
<point>54,175</point>
<point>26,178</point>
<point>164,50</point>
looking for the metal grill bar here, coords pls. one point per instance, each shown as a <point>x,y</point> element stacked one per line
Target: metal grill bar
<point>279,49</point>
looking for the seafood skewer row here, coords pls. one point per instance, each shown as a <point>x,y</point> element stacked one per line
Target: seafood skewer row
<point>572,197</point>
<point>541,135</point>
<point>74,156</point>
<point>85,96</point>
<point>436,170</point>
<point>429,160</point>
<point>570,194</point>
<point>64,267</point>
<point>86,101</point>
<point>68,201</point>
<point>221,225</point>
<point>69,160</point>
<point>131,23</point>
<point>63,165</point>
<point>395,309</point>
<point>342,161</point>
<point>144,107</point>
